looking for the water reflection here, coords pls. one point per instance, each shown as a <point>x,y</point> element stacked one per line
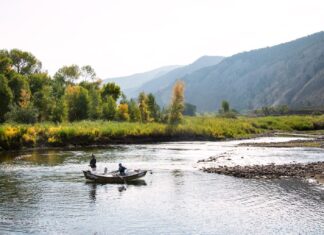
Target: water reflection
<point>177,173</point>
<point>121,188</point>
<point>93,187</point>
<point>34,157</point>
<point>92,191</point>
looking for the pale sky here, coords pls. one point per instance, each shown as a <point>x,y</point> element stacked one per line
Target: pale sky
<point>122,37</point>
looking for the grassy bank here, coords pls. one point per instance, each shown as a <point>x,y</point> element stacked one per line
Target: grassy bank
<point>14,136</point>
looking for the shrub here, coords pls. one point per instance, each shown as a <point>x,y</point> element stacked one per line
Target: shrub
<point>22,115</point>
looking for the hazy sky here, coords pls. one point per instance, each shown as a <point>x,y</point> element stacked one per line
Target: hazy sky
<point>122,37</point>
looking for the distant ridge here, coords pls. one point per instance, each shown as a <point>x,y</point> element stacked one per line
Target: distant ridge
<point>291,73</point>
<point>166,80</point>
<point>136,80</point>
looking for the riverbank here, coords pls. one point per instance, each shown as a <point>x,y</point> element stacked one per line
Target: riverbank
<point>313,170</point>
<point>313,143</point>
<point>89,133</point>
<point>310,139</point>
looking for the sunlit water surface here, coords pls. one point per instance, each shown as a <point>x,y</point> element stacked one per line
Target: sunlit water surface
<point>44,192</point>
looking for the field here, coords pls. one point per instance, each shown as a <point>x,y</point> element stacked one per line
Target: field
<point>15,136</point>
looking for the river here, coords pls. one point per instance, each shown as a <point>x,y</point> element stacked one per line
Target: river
<point>44,192</point>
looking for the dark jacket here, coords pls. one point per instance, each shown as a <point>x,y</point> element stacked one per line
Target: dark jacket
<point>93,163</point>
<point>122,170</point>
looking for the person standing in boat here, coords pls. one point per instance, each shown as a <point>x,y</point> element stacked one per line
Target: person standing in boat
<point>121,169</point>
<point>93,162</point>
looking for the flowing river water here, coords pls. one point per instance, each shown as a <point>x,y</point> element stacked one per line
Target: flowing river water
<point>44,192</point>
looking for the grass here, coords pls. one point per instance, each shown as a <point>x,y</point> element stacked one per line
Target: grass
<point>14,136</point>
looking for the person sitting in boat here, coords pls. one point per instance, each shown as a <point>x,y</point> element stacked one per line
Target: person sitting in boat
<point>93,163</point>
<point>121,169</point>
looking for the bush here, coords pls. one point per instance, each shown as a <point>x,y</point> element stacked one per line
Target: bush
<point>228,115</point>
<point>22,115</point>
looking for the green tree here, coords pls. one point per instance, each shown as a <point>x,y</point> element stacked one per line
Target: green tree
<point>226,112</point>
<point>225,106</point>
<point>134,111</point>
<point>165,115</point>
<point>68,74</point>
<point>60,110</point>
<point>38,80</point>
<point>5,62</point>
<point>43,100</point>
<point>91,85</point>
<point>78,102</point>
<point>266,110</point>
<point>24,62</point>
<point>95,108</point>
<point>283,109</point>
<point>123,99</point>
<point>177,103</point>
<point>18,83</point>
<point>109,108</point>
<point>111,89</point>
<point>143,107</point>
<point>88,73</point>
<point>22,114</point>
<point>153,107</point>
<point>6,97</point>
<point>22,110</point>
<point>58,89</point>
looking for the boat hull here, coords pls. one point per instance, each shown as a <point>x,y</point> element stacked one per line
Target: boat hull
<point>114,178</point>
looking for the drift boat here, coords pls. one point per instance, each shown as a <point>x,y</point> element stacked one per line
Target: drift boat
<point>114,177</point>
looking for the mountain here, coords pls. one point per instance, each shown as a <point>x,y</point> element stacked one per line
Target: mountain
<point>290,73</point>
<point>136,80</point>
<point>166,80</point>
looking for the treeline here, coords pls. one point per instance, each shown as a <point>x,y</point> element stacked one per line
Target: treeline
<point>272,110</point>
<point>285,110</point>
<point>28,95</point>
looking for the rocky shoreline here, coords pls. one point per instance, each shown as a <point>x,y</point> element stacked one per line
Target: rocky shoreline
<point>313,170</point>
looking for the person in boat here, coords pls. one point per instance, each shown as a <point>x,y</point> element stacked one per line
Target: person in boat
<point>93,162</point>
<point>121,169</point>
